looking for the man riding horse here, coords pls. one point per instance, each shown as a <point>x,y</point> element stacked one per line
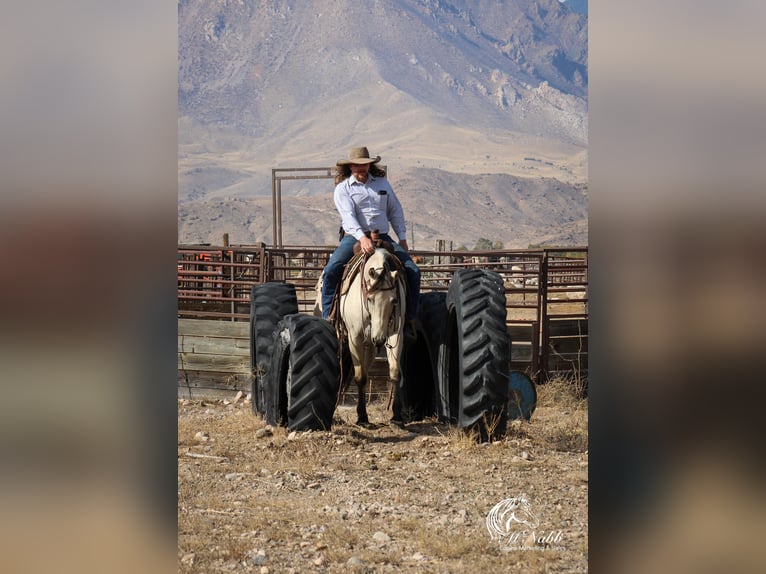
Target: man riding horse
<point>366,202</point>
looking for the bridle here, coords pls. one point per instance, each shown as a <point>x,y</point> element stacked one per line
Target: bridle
<point>385,273</point>
<point>378,285</point>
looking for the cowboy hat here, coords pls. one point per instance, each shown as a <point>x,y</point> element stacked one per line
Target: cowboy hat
<point>358,155</point>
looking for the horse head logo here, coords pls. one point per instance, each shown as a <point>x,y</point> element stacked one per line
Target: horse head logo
<point>508,513</point>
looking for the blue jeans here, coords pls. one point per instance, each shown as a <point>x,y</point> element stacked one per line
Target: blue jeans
<point>333,272</point>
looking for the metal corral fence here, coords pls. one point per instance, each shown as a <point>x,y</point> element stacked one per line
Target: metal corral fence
<point>546,292</point>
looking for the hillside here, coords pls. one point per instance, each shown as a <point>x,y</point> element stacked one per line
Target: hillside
<point>470,93</point>
<point>579,6</point>
<point>438,204</point>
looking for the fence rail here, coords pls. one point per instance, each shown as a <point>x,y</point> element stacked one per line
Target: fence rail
<point>546,291</point>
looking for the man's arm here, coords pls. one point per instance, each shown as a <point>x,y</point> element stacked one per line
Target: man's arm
<point>395,214</point>
<point>347,212</point>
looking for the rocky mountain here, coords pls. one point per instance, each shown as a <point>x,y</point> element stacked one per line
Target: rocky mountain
<point>469,94</point>
<point>579,6</point>
<point>516,211</point>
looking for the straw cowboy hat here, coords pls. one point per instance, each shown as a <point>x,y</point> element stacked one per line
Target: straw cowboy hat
<point>358,155</point>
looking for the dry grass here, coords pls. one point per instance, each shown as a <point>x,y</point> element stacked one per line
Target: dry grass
<point>563,410</point>
<point>310,502</point>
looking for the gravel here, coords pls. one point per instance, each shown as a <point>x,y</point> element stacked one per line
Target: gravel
<point>380,499</point>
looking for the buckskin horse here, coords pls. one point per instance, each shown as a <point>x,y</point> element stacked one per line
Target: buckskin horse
<point>370,313</point>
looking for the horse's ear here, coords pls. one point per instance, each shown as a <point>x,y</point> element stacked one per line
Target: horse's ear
<point>394,274</point>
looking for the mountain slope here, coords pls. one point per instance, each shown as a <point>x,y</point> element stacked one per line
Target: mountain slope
<point>456,87</point>
<point>252,67</point>
<point>438,205</point>
<point>578,6</point>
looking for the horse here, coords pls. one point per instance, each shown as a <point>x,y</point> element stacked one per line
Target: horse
<point>370,313</point>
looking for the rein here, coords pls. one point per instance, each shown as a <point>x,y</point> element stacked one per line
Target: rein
<point>376,286</point>
<point>385,273</point>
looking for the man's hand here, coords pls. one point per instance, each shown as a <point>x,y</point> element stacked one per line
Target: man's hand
<point>366,244</point>
<point>404,245</point>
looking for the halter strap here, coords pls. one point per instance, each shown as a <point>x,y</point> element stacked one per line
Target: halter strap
<point>386,272</point>
<point>375,285</point>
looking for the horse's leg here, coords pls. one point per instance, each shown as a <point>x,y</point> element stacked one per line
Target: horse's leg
<point>394,375</point>
<point>368,356</point>
<point>393,354</point>
<point>361,403</point>
<point>359,356</point>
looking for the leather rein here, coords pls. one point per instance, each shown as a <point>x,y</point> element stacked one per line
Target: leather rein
<point>377,286</point>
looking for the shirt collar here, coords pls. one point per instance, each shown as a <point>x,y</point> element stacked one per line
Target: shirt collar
<point>353,180</point>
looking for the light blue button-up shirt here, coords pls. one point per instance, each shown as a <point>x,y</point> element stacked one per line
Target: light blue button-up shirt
<point>368,206</point>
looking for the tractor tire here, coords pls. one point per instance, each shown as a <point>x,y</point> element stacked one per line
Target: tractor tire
<point>473,376</point>
<point>418,394</point>
<point>269,303</point>
<point>303,378</point>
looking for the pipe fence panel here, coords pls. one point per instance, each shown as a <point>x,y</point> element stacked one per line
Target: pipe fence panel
<point>546,291</point>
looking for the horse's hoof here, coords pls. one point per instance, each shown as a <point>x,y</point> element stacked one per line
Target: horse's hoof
<point>363,422</point>
<point>398,423</point>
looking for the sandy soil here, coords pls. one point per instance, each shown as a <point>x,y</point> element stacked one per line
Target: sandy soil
<point>382,499</point>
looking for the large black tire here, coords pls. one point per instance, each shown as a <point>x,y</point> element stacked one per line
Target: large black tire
<point>473,370</point>
<point>269,303</point>
<point>418,394</point>
<point>303,379</point>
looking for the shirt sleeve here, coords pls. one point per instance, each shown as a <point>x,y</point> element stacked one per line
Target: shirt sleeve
<point>396,215</point>
<point>347,211</point>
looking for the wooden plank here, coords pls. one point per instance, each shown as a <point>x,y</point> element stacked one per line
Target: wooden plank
<point>567,327</point>
<point>208,362</point>
<point>210,328</point>
<point>521,353</point>
<point>213,345</point>
<point>524,367</point>
<point>568,362</point>
<point>564,345</point>
<point>524,346</point>
<point>203,393</point>
<point>196,383</point>
<point>520,332</point>
<point>190,312</point>
<point>568,356</point>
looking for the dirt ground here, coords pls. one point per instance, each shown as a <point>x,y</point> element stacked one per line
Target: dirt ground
<point>382,499</point>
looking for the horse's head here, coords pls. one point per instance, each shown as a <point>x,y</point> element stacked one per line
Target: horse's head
<point>519,510</point>
<point>383,301</point>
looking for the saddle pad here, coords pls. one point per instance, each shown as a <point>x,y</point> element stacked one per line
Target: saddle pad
<point>350,271</point>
